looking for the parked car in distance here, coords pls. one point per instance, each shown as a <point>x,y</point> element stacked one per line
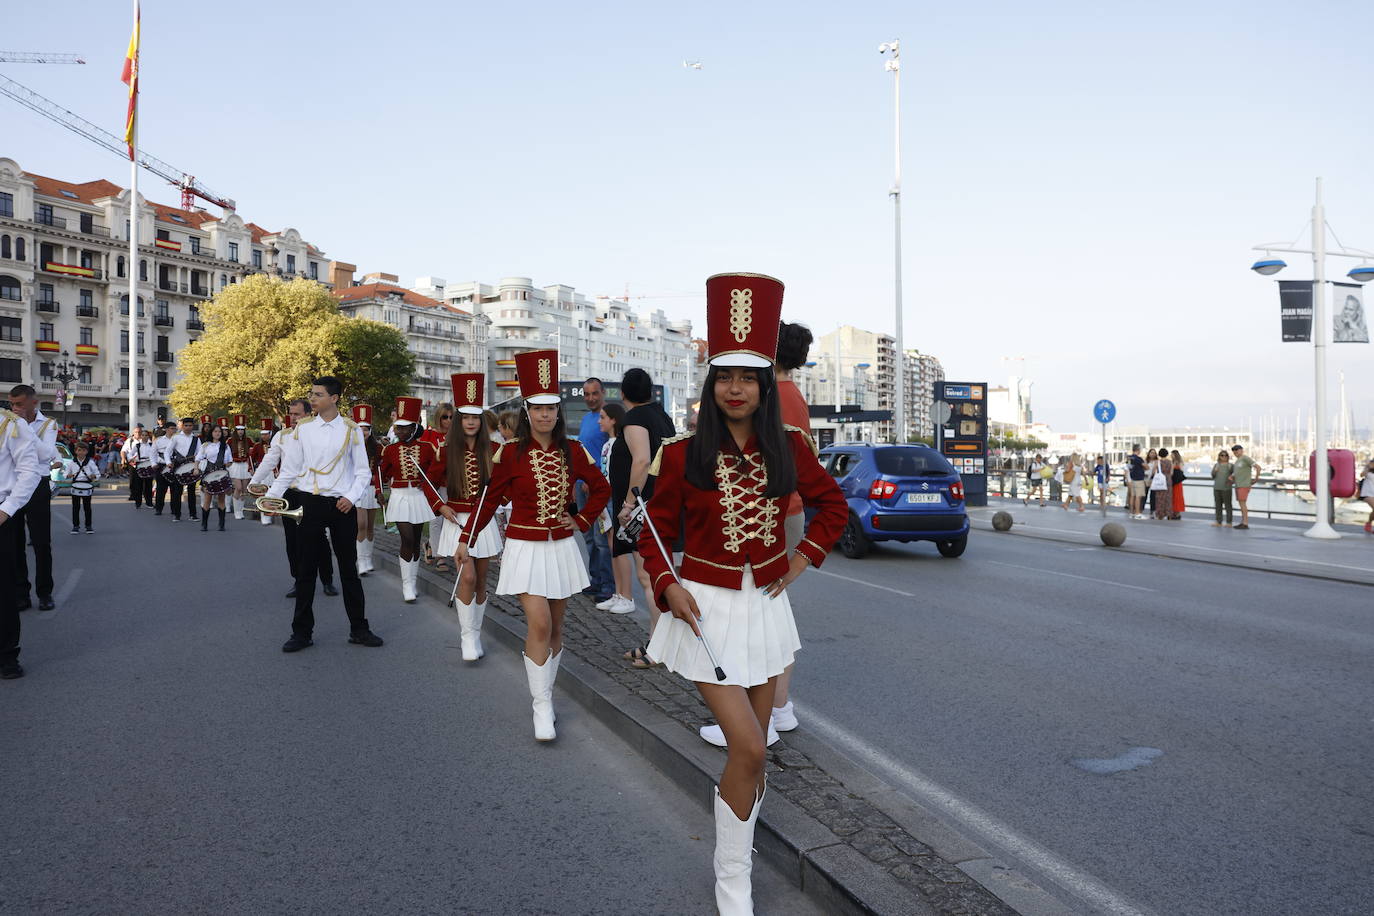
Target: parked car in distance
<point>898,493</point>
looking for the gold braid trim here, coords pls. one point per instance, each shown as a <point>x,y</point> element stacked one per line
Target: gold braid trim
<point>811,443</point>
<point>550,483</point>
<point>658,456</point>
<point>745,512</point>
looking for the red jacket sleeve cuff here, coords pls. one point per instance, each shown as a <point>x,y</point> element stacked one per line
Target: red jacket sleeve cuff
<point>582,524</point>
<point>813,552</point>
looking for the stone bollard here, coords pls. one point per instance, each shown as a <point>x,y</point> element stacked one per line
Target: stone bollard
<point>1001,521</point>
<point>1113,534</point>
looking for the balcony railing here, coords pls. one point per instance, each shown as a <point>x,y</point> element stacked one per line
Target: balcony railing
<point>48,305</point>
<point>163,321</point>
<point>195,324</point>
<point>93,229</point>
<point>87,311</point>
<point>47,219</point>
<point>162,356</point>
<point>202,291</point>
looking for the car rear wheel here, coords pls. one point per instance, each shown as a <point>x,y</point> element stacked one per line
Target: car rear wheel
<point>853,542</point>
<point>952,548</point>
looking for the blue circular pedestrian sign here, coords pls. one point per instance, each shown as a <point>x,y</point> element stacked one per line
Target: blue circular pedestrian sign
<point>1104,411</point>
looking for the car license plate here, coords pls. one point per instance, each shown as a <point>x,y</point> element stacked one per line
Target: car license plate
<point>923,498</point>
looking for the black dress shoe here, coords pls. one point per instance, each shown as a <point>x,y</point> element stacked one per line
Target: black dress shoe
<point>296,643</point>
<point>292,593</point>
<point>23,604</point>
<point>329,589</point>
<point>11,670</point>
<point>45,603</point>
<point>365,638</point>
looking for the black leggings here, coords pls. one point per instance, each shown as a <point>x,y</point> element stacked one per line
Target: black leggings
<point>78,502</point>
<point>410,540</point>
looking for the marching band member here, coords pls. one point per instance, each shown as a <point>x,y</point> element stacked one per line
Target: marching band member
<point>36,515</point>
<point>467,460</point>
<point>185,447</point>
<point>83,471</point>
<point>437,435</point>
<point>370,501</point>
<point>162,451</point>
<point>541,563</point>
<point>257,452</point>
<point>20,473</point>
<point>409,466</point>
<point>325,455</point>
<point>141,449</point>
<point>727,487</point>
<point>267,472</point>
<point>215,455</point>
<point>129,461</point>
<point>239,447</point>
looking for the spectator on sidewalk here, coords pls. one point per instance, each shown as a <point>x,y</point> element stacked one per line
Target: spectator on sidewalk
<point>1073,479</point>
<point>1221,488</point>
<point>1151,468</point>
<point>1367,494</point>
<point>1244,471</point>
<point>1135,474</point>
<point>1102,476</point>
<point>622,600</point>
<point>602,584</point>
<point>1161,486</point>
<point>1036,477</point>
<point>1177,480</point>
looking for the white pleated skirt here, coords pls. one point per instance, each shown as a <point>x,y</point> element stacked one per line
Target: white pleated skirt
<point>754,636</point>
<point>408,504</point>
<point>553,569</point>
<point>368,500</point>
<point>488,540</point>
<point>238,470</point>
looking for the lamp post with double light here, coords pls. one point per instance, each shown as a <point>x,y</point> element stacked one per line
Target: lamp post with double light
<point>1363,273</point>
<point>893,65</point>
<point>64,371</point>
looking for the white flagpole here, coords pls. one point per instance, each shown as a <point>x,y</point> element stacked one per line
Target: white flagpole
<point>133,248</point>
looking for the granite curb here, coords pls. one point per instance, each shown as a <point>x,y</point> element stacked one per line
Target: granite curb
<point>1345,574</point>
<point>841,848</point>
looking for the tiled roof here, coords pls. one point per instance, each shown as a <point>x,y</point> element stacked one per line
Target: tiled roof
<point>383,290</point>
<point>87,192</point>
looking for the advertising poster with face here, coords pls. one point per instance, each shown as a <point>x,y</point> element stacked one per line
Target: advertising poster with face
<point>1348,324</point>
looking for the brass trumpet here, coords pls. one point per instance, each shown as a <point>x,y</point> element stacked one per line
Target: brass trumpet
<point>275,505</point>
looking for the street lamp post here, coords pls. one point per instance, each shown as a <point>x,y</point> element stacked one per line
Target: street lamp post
<point>1270,266</point>
<point>65,372</point>
<point>894,66</point>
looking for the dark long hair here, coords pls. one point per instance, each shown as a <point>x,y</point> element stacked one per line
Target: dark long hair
<point>713,437</point>
<point>616,411</point>
<point>457,455</point>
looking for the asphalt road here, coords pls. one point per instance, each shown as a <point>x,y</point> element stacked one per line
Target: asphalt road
<point>164,756</point>
<point>1152,734</point>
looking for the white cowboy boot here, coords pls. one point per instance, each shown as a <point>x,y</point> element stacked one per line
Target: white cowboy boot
<point>471,625</point>
<point>733,859</point>
<point>540,678</point>
<point>479,614</point>
<point>410,571</point>
<point>238,508</point>
<point>364,557</point>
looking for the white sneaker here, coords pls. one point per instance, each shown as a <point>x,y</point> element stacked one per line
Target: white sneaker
<point>784,718</point>
<point>608,603</point>
<point>714,734</point>
<point>622,605</point>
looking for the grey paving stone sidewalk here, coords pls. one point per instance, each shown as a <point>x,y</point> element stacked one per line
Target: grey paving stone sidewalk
<point>601,639</point>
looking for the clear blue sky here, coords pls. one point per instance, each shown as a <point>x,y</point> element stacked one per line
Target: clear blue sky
<point>1082,181</point>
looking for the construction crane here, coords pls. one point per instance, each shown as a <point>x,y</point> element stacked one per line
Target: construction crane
<point>190,188</point>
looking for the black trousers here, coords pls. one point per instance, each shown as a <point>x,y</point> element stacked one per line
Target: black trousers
<point>291,531</point>
<point>135,483</point>
<point>177,489</point>
<point>79,503</point>
<point>11,531</point>
<point>37,517</point>
<point>161,485</point>
<point>321,515</point>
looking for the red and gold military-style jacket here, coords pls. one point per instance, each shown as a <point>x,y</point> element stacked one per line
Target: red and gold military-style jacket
<point>410,464</point>
<point>539,485</point>
<point>473,472</point>
<point>735,525</point>
<point>240,449</point>
<point>256,452</point>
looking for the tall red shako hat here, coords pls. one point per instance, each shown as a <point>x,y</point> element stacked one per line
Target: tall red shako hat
<point>537,371</point>
<point>742,314</point>
<point>286,420</point>
<point>362,414</point>
<point>269,425</point>
<point>240,421</point>
<point>204,419</point>
<point>407,410</point>
<point>468,388</point>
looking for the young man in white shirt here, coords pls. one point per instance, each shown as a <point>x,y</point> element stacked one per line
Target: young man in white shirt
<point>129,461</point>
<point>37,512</point>
<point>185,446</point>
<point>20,475</point>
<point>326,460</point>
<point>297,411</point>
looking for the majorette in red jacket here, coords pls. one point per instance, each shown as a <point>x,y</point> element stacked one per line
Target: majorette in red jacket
<point>410,464</point>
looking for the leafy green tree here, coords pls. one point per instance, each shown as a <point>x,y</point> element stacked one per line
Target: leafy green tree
<point>266,338</point>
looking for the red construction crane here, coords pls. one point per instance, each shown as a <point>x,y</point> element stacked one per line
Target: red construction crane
<point>190,188</point>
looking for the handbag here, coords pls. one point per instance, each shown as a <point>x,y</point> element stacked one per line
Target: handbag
<point>1159,481</point>
<point>1179,476</point>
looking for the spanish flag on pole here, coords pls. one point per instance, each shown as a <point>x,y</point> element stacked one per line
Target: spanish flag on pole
<point>130,76</point>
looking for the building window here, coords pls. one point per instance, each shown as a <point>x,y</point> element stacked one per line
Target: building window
<point>44,214</point>
<point>86,408</point>
<point>119,266</point>
<point>140,351</point>
<point>161,379</point>
<point>9,370</point>
<point>257,258</point>
<point>87,223</point>
<point>19,248</point>
<point>86,336</point>
<point>87,301</point>
<point>6,209</point>
<point>45,330</point>
<point>195,245</point>
<point>123,341</point>
<point>164,235</point>
<point>45,371</point>
<point>223,280</point>
<point>143,271</point>
<point>234,252</point>
<point>124,377</point>
<point>45,293</point>
<point>83,375</point>
<point>5,247</point>
<point>9,289</point>
<point>314,270</point>
<point>291,263</point>
<point>12,329</point>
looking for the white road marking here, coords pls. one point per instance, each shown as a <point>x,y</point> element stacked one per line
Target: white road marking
<point>1051,572</point>
<point>65,592</point>
<point>932,795</point>
<point>895,591</point>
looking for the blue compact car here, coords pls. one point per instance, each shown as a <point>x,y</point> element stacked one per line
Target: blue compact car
<point>898,493</point>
